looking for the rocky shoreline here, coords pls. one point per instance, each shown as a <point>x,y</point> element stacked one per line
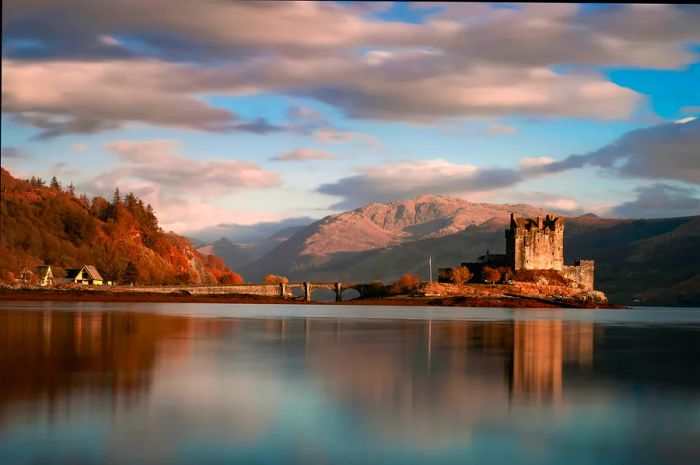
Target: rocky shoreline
<point>487,297</point>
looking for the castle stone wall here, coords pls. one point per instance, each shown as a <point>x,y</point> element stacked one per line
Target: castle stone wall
<point>535,245</point>
<point>581,273</point>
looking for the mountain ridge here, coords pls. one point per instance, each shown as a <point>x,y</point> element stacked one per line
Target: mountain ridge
<point>630,254</point>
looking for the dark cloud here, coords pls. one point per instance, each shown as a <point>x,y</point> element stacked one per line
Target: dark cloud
<point>53,126</point>
<point>404,180</point>
<point>12,153</point>
<point>660,201</point>
<point>665,151</point>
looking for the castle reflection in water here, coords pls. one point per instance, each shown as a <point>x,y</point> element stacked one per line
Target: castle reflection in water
<point>52,355</point>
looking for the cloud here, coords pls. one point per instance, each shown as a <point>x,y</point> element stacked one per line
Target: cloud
<point>660,201</point>
<point>298,113</point>
<point>78,147</point>
<point>536,162</point>
<point>156,161</point>
<point>335,136</point>
<point>304,154</point>
<point>666,151</point>
<point>64,97</point>
<point>501,129</point>
<point>389,182</point>
<point>63,170</point>
<point>183,190</point>
<point>89,68</point>
<point>12,153</point>
<point>426,90</point>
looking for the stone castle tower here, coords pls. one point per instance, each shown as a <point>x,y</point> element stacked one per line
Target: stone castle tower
<point>535,244</point>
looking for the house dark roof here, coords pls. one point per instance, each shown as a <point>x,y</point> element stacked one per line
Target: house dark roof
<point>71,273</point>
<point>92,271</point>
<point>43,270</point>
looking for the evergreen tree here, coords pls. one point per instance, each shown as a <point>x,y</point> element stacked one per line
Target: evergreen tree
<point>130,202</point>
<point>116,198</point>
<point>55,185</point>
<point>71,189</point>
<point>131,273</point>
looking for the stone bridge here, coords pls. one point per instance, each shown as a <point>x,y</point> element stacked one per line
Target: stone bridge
<point>309,287</point>
<point>283,290</point>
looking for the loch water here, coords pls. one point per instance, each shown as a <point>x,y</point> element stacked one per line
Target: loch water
<point>156,383</point>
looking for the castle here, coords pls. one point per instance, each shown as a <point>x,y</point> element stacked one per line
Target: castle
<point>535,244</point>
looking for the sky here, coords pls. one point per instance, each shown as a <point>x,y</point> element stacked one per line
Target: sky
<point>219,112</point>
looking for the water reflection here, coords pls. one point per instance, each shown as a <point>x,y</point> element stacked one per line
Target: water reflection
<point>203,390</point>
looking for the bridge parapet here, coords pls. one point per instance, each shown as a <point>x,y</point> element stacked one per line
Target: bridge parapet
<point>283,290</point>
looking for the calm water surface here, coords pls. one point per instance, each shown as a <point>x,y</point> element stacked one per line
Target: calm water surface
<point>84,383</point>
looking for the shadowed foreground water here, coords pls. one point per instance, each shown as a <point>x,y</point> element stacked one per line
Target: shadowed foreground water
<point>206,383</point>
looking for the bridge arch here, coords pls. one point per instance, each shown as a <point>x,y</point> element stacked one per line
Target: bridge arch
<point>349,293</point>
<point>322,294</point>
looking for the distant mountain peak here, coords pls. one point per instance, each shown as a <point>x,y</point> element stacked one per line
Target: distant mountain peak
<point>380,225</point>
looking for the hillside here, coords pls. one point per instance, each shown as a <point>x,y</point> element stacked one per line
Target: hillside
<point>652,262</point>
<point>120,237</point>
<point>239,255</point>
<point>334,240</point>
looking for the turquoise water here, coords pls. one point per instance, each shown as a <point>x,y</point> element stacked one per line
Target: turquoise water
<point>112,383</point>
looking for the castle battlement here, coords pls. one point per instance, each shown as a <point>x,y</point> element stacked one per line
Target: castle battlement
<point>535,244</point>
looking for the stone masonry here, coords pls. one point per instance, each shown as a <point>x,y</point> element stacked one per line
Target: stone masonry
<point>535,244</point>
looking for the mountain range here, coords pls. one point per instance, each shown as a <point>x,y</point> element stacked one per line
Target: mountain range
<point>638,261</point>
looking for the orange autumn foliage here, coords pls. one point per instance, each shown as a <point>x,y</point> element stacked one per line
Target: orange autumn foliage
<point>274,279</point>
<point>120,237</point>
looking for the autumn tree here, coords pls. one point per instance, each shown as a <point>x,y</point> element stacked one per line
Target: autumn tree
<point>407,283</point>
<point>506,273</point>
<point>130,274</point>
<point>376,289</point>
<point>461,275</point>
<point>274,279</point>
<point>8,277</point>
<point>231,278</point>
<point>490,275</point>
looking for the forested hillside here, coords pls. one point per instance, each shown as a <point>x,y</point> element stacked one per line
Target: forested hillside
<point>52,225</point>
